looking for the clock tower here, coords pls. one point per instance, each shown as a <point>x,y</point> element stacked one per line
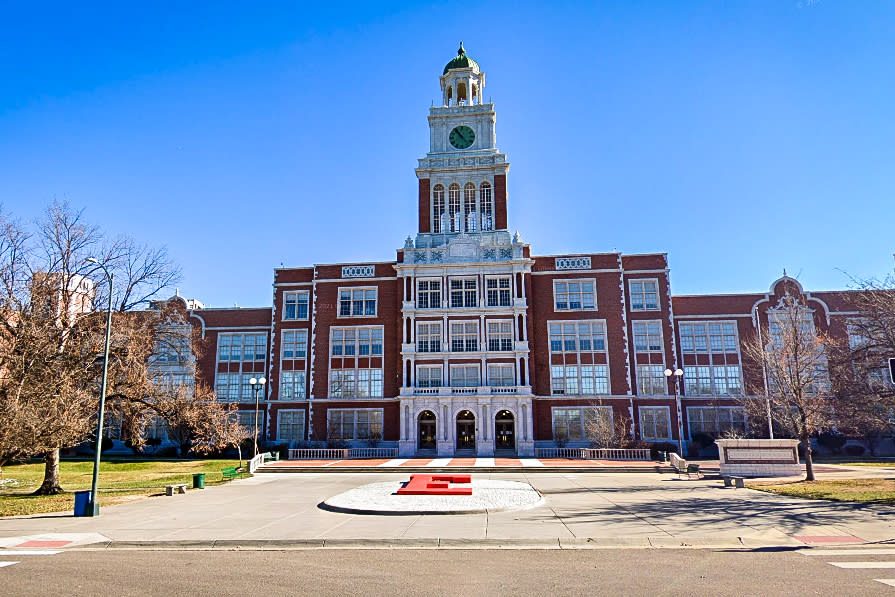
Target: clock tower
<point>462,180</point>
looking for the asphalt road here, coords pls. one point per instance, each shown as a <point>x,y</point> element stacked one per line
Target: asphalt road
<point>440,572</point>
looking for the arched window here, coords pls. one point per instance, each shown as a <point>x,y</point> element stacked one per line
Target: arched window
<point>487,207</point>
<point>437,207</point>
<point>454,207</point>
<point>469,207</point>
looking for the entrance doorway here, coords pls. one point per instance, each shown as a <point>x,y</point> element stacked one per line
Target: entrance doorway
<point>505,431</point>
<point>426,430</point>
<point>465,430</point>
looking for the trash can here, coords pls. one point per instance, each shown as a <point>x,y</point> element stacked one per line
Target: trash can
<point>199,481</point>
<point>82,503</point>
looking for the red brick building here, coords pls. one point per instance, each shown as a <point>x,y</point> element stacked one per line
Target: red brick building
<point>469,343</point>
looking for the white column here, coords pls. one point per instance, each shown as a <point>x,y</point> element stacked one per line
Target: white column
<point>525,422</point>
<point>524,327</point>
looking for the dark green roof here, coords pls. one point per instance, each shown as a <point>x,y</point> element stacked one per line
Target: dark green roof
<point>461,61</point>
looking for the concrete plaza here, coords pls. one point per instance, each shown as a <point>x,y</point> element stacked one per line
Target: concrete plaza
<point>580,510</point>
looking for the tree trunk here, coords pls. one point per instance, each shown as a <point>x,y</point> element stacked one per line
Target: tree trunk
<point>809,462</point>
<point>239,449</point>
<point>50,485</point>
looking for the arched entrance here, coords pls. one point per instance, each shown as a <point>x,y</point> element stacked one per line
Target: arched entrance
<point>505,431</point>
<point>465,430</point>
<point>425,437</point>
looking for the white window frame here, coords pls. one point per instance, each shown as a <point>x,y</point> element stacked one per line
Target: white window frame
<point>565,337</point>
<point>465,292</point>
<point>428,377</point>
<point>301,424</point>
<point>498,291</point>
<point>654,378</point>
<point>242,344</point>
<point>364,300</point>
<point>654,409</point>
<point>430,341</point>
<point>580,423</point>
<point>497,374</point>
<point>466,367</point>
<point>643,328</point>
<point>351,379</point>
<point>502,335</point>
<point>354,421</point>
<point>293,385</point>
<point>429,293</point>
<point>691,410</point>
<point>373,332</point>
<point>643,293</point>
<point>468,338</point>
<point>297,295</point>
<point>298,342</point>
<point>573,380</point>
<point>696,337</point>
<point>581,293</point>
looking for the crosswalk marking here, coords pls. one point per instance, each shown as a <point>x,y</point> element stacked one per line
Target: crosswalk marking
<point>531,462</point>
<point>2,564</point>
<point>30,552</point>
<point>847,552</point>
<point>395,462</point>
<point>484,462</point>
<point>886,581</point>
<point>439,462</point>
<point>863,564</point>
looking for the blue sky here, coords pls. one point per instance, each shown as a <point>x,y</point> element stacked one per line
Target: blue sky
<point>739,137</point>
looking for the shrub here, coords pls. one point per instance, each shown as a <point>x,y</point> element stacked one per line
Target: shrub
<point>167,452</point>
<point>854,450</point>
<point>654,449</point>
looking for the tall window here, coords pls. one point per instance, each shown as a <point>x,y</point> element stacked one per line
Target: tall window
<point>715,420</point>
<point>437,208</point>
<point>465,336</point>
<point>487,207</point>
<point>500,335</point>
<point>464,376</point>
<point>580,422</point>
<point>357,302</point>
<point>573,295</point>
<point>173,344</point>
<point>712,380</point>
<point>234,386</point>
<point>469,207</point>
<point>497,291</point>
<point>354,423</point>
<point>644,295</point>
<point>295,305</point>
<point>355,383</point>
<point>242,347</point>
<point>292,385</point>
<point>647,336</point>
<point>290,425</point>
<point>295,344</point>
<point>454,207</point>
<point>654,423</point>
<point>356,341</point>
<point>464,293</point>
<point>714,337</point>
<point>428,294</point>
<point>651,380</point>
<point>428,376</point>
<point>581,336</point>
<point>502,374</point>
<point>573,380</point>
<point>428,337</point>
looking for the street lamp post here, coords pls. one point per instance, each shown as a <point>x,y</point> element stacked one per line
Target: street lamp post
<point>677,373</point>
<point>94,498</point>
<point>256,384</point>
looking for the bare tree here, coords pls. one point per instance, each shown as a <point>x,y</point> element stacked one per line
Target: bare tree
<point>794,358</point>
<point>604,430</point>
<point>50,335</point>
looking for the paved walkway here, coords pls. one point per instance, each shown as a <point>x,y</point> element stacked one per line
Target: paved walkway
<point>580,510</point>
<point>386,463</point>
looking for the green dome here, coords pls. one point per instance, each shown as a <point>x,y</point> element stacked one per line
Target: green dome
<point>461,61</point>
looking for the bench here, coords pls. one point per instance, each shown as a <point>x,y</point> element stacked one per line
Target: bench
<point>229,473</point>
<point>693,469</point>
<point>678,470</point>
<point>178,487</point>
<point>731,481</point>
<point>272,456</point>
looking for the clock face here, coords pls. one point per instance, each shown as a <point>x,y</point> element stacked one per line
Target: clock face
<point>462,137</point>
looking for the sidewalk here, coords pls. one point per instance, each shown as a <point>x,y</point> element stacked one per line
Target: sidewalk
<point>278,511</point>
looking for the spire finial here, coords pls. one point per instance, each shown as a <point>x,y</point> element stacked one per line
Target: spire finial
<point>462,50</point>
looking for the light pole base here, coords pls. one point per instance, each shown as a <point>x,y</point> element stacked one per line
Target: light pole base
<point>92,509</point>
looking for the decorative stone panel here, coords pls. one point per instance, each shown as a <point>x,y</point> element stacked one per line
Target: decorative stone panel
<point>358,271</point>
<point>573,263</point>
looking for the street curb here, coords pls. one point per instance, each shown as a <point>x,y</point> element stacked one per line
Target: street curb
<point>558,543</point>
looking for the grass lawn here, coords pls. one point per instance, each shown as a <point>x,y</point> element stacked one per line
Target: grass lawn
<point>119,481</point>
<point>880,491</point>
<point>886,464</point>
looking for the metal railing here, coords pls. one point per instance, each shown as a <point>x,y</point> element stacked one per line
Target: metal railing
<point>341,453</point>
<point>594,453</point>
